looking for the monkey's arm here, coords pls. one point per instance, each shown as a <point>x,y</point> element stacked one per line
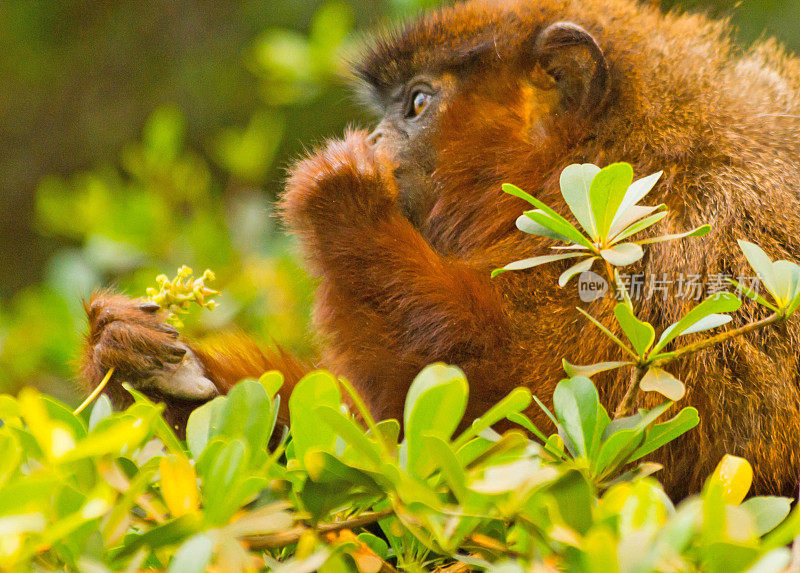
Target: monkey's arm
<point>130,335</point>
<point>388,303</point>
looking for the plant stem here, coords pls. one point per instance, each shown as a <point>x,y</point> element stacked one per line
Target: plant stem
<point>639,371</point>
<point>626,404</point>
<point>290,536</point>
<point>365,414</point>
<point>703,344</point>
<point>612,281</point>
<point>95,392</point>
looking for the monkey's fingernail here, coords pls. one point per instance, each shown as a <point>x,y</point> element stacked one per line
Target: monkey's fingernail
<point>149,306</point>
<point>179,351</point>
<point>169,329</point>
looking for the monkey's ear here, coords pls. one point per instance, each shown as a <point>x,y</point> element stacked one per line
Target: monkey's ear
<point>576,62</point>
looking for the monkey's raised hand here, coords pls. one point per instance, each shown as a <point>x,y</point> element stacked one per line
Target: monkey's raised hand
<point>341,184</point>
<point>130,335</point>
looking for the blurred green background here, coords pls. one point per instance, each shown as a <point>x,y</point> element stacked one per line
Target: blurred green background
<point>137,136</point>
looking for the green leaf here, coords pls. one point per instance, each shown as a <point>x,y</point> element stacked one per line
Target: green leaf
<point>29,494</point>
<point>600,552</point>
<point>272,382</point>
<point>546,410</point>
<point>193,556</point>
<point>590,370</point>
<point>768,512</point>
<point>608,333</point>
<point>637,191</point>
<point>785,532</point>
<point>350,432</point>
<point>225,472</point>
<point>510,476</point>
<point>324,468</point>
<point>623,254</point>
<point>58,411</point>
<point>315,389</point>
<point>122,434</point>
<point>707,323</point>
<point>665,432</point>
<point>576,181</point>
<point>776,561</point>
<point>607,191</point>
<point>452,470</point>
<point>390,430</point>
<point>147,409</point>
<point>515,401</point>
<point>793,305</point>
<point>517,192</point>
<point>528,225</point>
<point>639,226</point>
<point>523,420</point>
<point>9,408</point>
<point>628,218</point>
<point>718,303</point>
<point>100,411</point>
<point>435,404</point>
<point>560,226</point>
<point>10,457</point>
<point>641,334</point>
<point>247,413</point>
<point>615,451</point>
<point>576,405</point>
<point>787,277</point>
<point>482,452</point>
<point>199,429</point>
<point>534,262</point>
<point>698,232</point>
<point>574,497</point>
<point>752,295</point>
<point>661,381</point>
<point>375,543</point>
<point>760,263</point>
<point>723,557</point>
<point>575,269</point>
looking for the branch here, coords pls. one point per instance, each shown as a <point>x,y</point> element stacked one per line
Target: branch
<point>290,536</point>
<point>638,373</point>
<point>626,404</point>
<point>703,344</point>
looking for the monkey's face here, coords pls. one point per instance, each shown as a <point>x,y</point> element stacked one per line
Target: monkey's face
<point>471,97</point>
<point>411,119</point>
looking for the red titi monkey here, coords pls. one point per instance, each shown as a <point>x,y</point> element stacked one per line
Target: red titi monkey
<point>403,226</point>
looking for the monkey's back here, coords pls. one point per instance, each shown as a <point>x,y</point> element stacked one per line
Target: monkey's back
<point>723,123</point>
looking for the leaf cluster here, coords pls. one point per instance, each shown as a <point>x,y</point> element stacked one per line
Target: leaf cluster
<point>339,491</point>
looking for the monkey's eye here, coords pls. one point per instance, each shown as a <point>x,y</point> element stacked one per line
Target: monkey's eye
<point>418,102</point>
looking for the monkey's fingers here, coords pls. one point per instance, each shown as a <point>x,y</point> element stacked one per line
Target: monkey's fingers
<point>151,359</point>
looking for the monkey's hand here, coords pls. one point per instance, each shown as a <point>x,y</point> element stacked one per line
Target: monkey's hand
<point>343,184</point>
<point>130,335</point>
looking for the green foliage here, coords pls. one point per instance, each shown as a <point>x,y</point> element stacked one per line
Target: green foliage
<point>121,492</point>
<point>118,491</point>
<point>780,278</point>
<point>162,209</point>
<point>604,202</point>
<point>196,188</point>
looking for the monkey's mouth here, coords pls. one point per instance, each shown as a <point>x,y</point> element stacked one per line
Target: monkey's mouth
<point>414,193</point>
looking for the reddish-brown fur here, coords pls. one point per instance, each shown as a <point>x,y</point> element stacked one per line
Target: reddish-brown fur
<point>394,297</point>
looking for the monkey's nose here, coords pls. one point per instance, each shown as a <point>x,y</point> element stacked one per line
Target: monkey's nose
<point>374,137</point>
